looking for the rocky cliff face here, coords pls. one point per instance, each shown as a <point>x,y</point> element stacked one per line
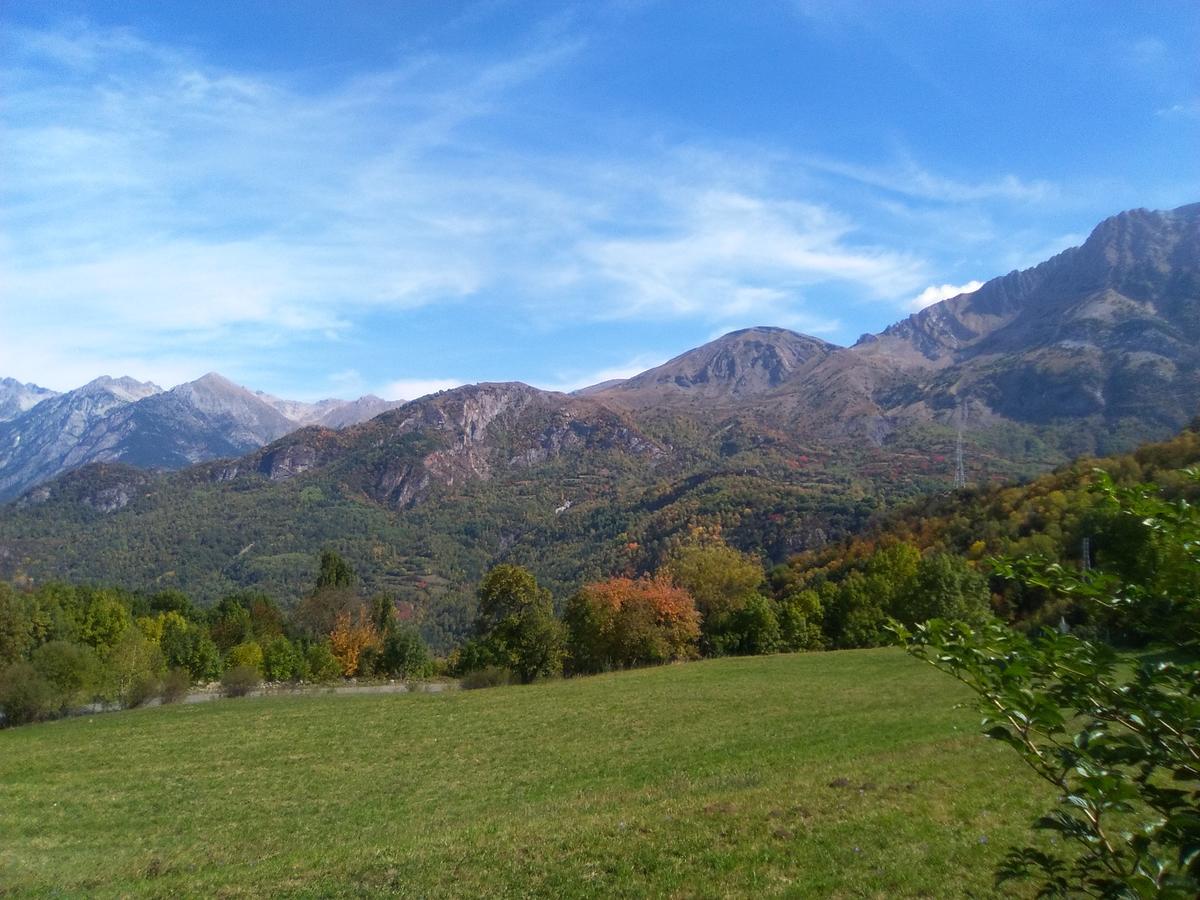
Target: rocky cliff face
<point>467,434</point>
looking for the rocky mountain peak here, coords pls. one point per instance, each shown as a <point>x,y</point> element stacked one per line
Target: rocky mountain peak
<point>1135,257</point>
<point>739,365</point>
<point>17,397</point>
<point>124,388</point>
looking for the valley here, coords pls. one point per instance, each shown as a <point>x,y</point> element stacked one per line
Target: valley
<point>780,442</point>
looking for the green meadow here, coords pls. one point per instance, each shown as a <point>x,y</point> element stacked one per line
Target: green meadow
<point>848,774</point>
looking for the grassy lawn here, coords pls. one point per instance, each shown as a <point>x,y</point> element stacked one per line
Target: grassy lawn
<point>838,774</point>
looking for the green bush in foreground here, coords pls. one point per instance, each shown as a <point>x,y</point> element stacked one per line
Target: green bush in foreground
<point>281,660</point>
<point>247,655</point>
<point>1122,751</point>
<point>25,696</point>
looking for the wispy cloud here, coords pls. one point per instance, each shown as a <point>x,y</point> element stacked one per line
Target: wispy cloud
<point>727,254</point>
<point>161,214</point>
<point>1186,109</point>
<point>909,179</point>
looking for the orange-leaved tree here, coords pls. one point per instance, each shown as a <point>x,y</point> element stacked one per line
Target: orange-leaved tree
<point>626,622</point>
<point>351,635</point>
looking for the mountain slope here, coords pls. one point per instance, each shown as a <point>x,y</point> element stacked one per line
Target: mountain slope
<point>142,425</point>
<point>758,436</point>
<point>42,442</point>
<point>203,419</point>
<point>738,366</point>
<point>17,398</point>
<point>424,498</point>
<point>331,413</point>
<point>1103,335</point>
<point>342,414</point>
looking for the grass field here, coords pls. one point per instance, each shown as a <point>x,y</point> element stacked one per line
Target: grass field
<point>839,774</point>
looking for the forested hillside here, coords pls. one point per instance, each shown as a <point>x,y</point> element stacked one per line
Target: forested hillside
<point>1062,518</point>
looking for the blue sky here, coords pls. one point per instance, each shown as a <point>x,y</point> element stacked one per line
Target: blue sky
<point>323,199</point>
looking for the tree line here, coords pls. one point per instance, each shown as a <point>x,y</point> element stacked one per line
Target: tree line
<point>63,646</point>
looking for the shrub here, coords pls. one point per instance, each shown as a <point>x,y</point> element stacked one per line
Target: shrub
<point>800,617</point>
<point>472,655</point>
<point>755,628</point>
<point>622,622</point>
<point>177,639</point>
<point>247,655</point>
<point>239,681</point>
<point>1120,749</point>
<point>105,621</point>
<point>132,669</point>
<point>230,623</point>
<point>144,688</point>
<point>25,696</point>
<point>282,660</point>
<point>71,670</point>
<point>404,654</point>
<point>489,676</point>
<point>175,685</point>
<point>351,636</point>
<point>321,663</point>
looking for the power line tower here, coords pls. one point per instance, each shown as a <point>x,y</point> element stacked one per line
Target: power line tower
<point>960,469</point>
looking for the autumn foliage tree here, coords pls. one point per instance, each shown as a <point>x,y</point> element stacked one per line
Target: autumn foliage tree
<point>353,632</point>
<point>625,622</point>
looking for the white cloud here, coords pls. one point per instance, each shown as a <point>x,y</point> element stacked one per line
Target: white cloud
<point>412,388</point>
<point>162,216</point>
<point>937,292</point>
<point>727,254</point>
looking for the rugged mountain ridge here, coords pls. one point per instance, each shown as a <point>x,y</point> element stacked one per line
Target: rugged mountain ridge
<point>447,439</point>
<point>120,419</point>
<point>331,412</point>
<point>1105,335</point>
<point>45,440</point>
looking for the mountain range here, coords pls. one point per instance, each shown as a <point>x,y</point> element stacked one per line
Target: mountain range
<point>777,441</point>
<point>44,433</point>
